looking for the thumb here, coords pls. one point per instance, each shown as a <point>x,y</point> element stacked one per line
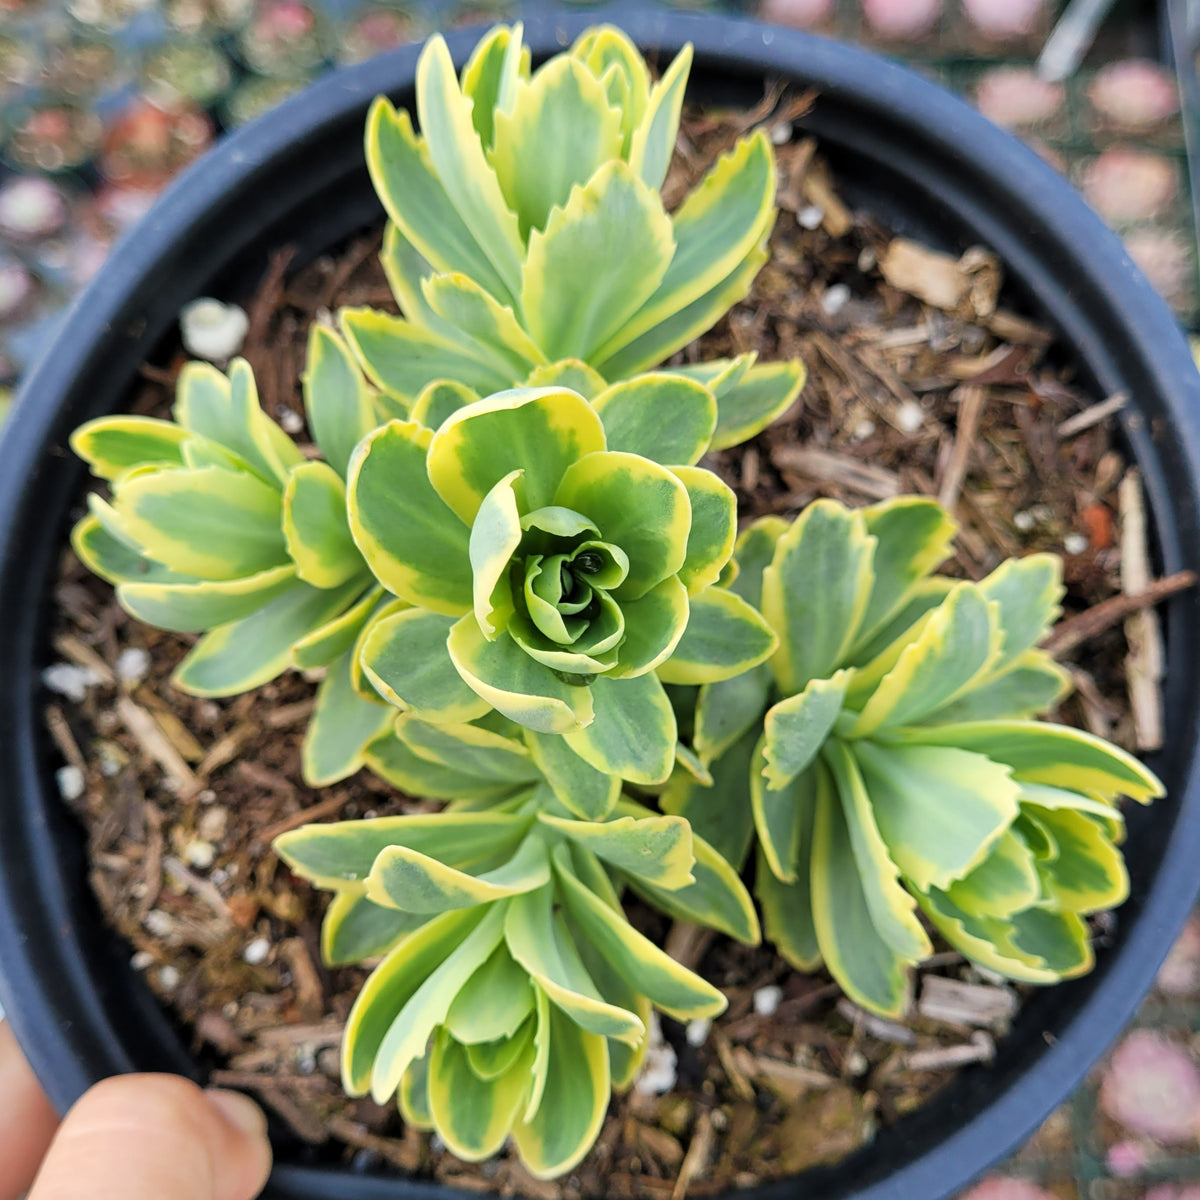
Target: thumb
<point>148,1137</point>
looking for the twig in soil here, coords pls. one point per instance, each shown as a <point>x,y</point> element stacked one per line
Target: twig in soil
<point>1076,630</point>
<point>310,998</point>
<point>971,398</point>
<point>226,749</point>
<point>313,1035</point>
<point>789,1080</point>
<point>83,655</point>
<point>830,467</point>
<point>1144,662</point>
<point>1097,714</point>
<point>399,1153</point>
<point>877,1027</point>
<point>149,735</point>
<point>696,1159</point>
<point>980,1048</point>
<point>201,888</point>
<point>1092,415</point>
<point>289,714</point>
<point>152,862</point>
<point>315,812</point>
<point>961,1003</point>
<point>60,731</point>
<point>742,1086</point>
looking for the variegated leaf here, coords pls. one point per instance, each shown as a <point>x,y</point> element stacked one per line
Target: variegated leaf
<point>713,531</point>
<point>654,848</point>
<point>113,445</point>
<point>667,418</point>
<point>583,790</point>
<point>194,607</point>
<point>632,733</point>
<point>340,728</point>
<point>760,396</point>
<point>315,529</point>
<point>339,403</point>
<point>355,929</point>
<point>724,637</point>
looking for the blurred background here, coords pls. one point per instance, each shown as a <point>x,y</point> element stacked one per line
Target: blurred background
<point>102,102</point>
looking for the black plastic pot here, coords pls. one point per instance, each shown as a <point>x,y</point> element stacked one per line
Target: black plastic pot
<point>902,148</point>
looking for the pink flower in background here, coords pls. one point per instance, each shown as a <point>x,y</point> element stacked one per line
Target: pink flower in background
<point>905,20</point>
<point>1152,1087</point>
<point>998,1187</point>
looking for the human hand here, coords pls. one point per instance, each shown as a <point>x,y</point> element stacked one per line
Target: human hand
<point>132,1137</point>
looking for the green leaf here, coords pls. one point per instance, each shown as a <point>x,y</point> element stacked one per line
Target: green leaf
<point>192,607</point>
<point>490,1060</point>
<point>727,709</point>
<point>890,906</point>
<point>613,58</point>
<point>457,155</point>
<point>571,373</point>
<point>113,445</point>
<point>718,813</point>
<point>539,941</point>
<point>939,810</point>
<point>654,848</point>
<point>211,523</point>
<point>493,1004</point>
<point>576,295</point>
<point>663,417</point>
<point>670,986</point>
<point>395,761</point>
<point>1031,685</point>
<point>341,726</point>
<point>780,812</point>
<point>632,734</point>
<point>1110,816</point>
<point>438,400</point>
<point>473,311</point>
<point>339,404</point>
<point>1028,591</point>
<point>787,909</point>
<point>876,655</point>
<point>496,534</point>
<point>713,530</point>
<point>637,505</point>
<point>244,654</point>
<point>1059,941</point>
<point>355,929</point>
<point>796,728</point>
<point>338,636</point>
<point>403,358</point>
<point>406,270</point>
<point>715,229</point>
<point>408,1035</point>
<point>654,623</point>
<point>332,856</point>
<point>653,141</point>
<point>724,637</point>
<point>847,902</point>
<point>405,657</point>
<point>815,592</point>
<point>762,395</point>
<point>389,988</point>
<point>521,688</point>
<point>416,199</point>
<point>491,77</point>
<point>314,526</point>
<point>468,748</point>
<point>572,1100</point>
<point>540,431</point>
<point>583,790</point>
<point>413,1095</point>
<point>413,543</point>
<point>719,375</point>
<point>957,644</point>
<point>106,550</point>
<point>1004,883</point>
<point>912,536</point>
<point>1052,754</point>
<point>558,131</point>
<point>1089,873</point>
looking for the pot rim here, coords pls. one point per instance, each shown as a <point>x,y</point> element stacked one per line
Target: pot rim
<point>1147,342</point>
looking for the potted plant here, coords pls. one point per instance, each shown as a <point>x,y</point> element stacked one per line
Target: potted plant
<point>939,165</point>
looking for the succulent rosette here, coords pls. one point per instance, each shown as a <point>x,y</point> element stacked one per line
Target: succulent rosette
<point>548,576</point>
<point>891,764</point>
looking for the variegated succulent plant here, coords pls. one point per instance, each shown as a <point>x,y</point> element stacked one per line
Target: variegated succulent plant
<point>218,524</point>
<point>891,762</point>
<point>549,577</point>
<point>513,994</point>
<point>528,242</point>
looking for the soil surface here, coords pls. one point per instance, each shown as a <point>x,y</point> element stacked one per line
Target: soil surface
<point>920,381</point>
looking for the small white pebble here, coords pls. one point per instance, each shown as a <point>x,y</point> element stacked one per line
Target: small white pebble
<point>199,854</point>
<point>1042,512</point>
<point>291,421</point>
<point>257,951</point>
<point>218,876</point>
<point>133,663</point>
<point>141,960</point>
<point>1024,521</point>
<point>720,1122</point>
<point>766,1000</point>
<point>436,1144</point>
<point>213,330</point>
<point>1075,543</point>
<point>835,299</point>
<point>910,416</point>
<point>158,923</point>
<point>781,133</point>
<point>213,823</point>
<point>207,796</point>
<point>70,782</point>
<point>70,680</point>
<point>866,258</point>
<point>168,978</point>
<point>810,217</point>
<point>864,428</point>
<point>658,1074</point>
<point>856,1063</point>
<point>697,1031</point>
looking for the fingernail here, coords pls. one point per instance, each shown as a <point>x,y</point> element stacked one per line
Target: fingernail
<point>240,1111</point>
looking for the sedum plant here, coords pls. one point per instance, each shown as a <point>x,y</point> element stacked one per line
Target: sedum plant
<point>219,525</point>
<point>513,994</point>
<point>548,577</point>
<point>528,242</point>
<point>892,764</point>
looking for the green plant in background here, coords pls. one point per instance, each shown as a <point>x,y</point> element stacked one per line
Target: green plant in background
<point>218,524</point>
<point>891,764</point>
<point>528,242</point>
<point>513,994</point>
<point>548,577</point>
